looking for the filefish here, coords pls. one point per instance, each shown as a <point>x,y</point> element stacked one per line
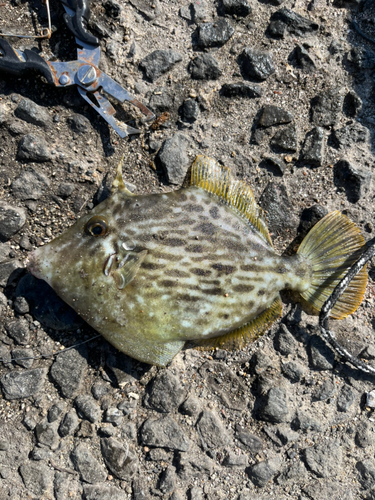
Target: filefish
<point>151,272</point>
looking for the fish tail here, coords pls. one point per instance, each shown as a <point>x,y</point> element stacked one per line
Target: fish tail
<point>332,246</point>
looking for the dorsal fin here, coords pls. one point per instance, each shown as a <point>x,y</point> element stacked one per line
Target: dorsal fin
<point>207,174</point>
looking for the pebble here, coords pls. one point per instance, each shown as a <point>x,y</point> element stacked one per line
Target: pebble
<point>239,8</point>
<point>285,342</point>
<point>211,431</point>
<point>352,104</point>
<point>189,111</point>
<point>322,357</point>
<point>174,159</point>
<point>5,356</point>
<point>365,436</point>
<point>21,305</point>
<point>150,10</point>
<point>300,58</point>
<point>86,464</point>
<point>366,470</point>
<point>271,115</point>
<point>370,399</point>
<point>254,444</point>
<point>112,9</point>
<point>165,393</point>
<point>12,220</point>
<point>350,135</point>
<point>69,370</point>
<point>256,64</point>
<point>159,62</point>
<point>32,147</point>
<point>214,34</point>
<point>79,123</point>
<point>37,478</point>
<point>261,473</point>
<point>18,330</point>
<point>30,185</point>
<point>87,408</point>
<point>241,89</point>
<point>195,493</point>
<point>233,459</point>
<point>275,408</point>
<point>23,384</point>
<point>65,190</point>
<point>293,370</point>
<point>355,180</point>
<point>312,152</point>
<point>164,432</point>
<point>168,480</point>
<point>204,67</point>
<point>324,459</point>
<point>287,20</point>
<point>23,357</point>
<point>47,435</point>
<point>31,112</point>
<point>191,406</point>
<point>69,423</point>
<point>162,101</point>
<point>55,412</point>
<point>306,422</point>
<point>67,487</point>
<point>326,107</point>
<point>325,391</point>
<point>120,461</point>
<point>310,216</point>
<point>279,208</point>
<point>199,9</point>
<point>285,140</point>
<point>113,416</point>
<point>346,398</point>
<point>103,492</point>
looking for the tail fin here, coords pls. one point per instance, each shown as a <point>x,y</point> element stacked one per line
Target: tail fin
<point>332,246</point>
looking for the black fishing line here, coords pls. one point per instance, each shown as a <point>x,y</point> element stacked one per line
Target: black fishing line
<point>328,305</point>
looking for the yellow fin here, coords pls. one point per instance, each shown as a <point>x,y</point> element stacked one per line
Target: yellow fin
<point>118,182</point>
<point>249,332</point>
<point>332,246</point>
<point>207,174</point>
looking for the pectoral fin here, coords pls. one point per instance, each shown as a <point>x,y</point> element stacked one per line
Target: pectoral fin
<point>124,275</point>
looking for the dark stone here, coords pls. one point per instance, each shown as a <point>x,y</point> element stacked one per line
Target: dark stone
<point>121,461</point>
<point>294,371</point>
<point>164,432</point>
<point>37,478</point>
<point>191,406</point>
<point>365,435</point>
<point>274,115</point>
<point>21,305</point>
<point>356,181</point>
<point>46,434</point>
<point>306,422</point>
<point>279,208</point>
<point>188,464</point>
<point>325,391</point>
<point>103,492</point>
<point>12,219</point>
<point>261,473</point>
<point>23,384</point>
<point>322,357</point>
<point>159,62</point>
<point>256,64</point>
<point>30,112</point>
<point>127,407</point>
<point>112,9</point>
<point>254,444</point>
<point>18,330</point>
<point>352,104</point>
<point>275,408</point>
<point>69,423</point>
<point>65,190</point>
<point>324,459</point>
<point>285,342</point>
<point>113,416</point>
<point>211,431</point>
<point>189,111</point>
<point>239,8</point>
<point>87,408</point>
<point>235,460</point>
<point>313,148</point>
<point>55,412</point>
<point>325,108</point>
<point>241,89</point>
<point>350,135</point>
<point>10,272</point>
<point>165,394</point>
<point>79,123</point>
<point>168,480</point>
<point>174,159</point>
<point>23,357</point>
<point>162,101</point>
<point>345,398</point>
<point>366,470</point>
<point>199,11</point>
<point>68,371</point>
<point>100,389</point>
<point>141,490</point>
<point>292,22</point>
<point>89,468</point>
<point>33,148</point>
<point>273,164</point>
<point>285,139</point>
<point>204,67</point>
<point>310,216</point>
<point>30,185</point>
<point>300,58</point>
<point>214,34</point>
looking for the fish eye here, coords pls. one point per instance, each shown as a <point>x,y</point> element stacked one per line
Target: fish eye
<point>97,226</point>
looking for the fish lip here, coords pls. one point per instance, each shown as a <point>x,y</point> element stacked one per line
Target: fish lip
<point>32,265</point>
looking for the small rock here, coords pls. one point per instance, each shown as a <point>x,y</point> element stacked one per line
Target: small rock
<point>356,181</point>
<point>325,391</point>
<point>325,108</point>
<point>300,58</point>
<point>370,399</point>
<point>313,148</point>
<point>275,408</point>
<point>241,89</point>
<point>195,493</point>
<point>174,159</point>
<point>239,8</point>
<point>122,462</point>
<point>23,357</point>
<point>367,473</point>
<point>273,164</point>
<point>79,123</point>
<point>165,394</point>
<point>233,459</point>
<point>12,219</point>
<point>148,9</point>
<point>87,408</point>
<point>204,67</point>
<point>161,101</point>
<point>211,431</point>
<point>214,34</point>
<point>69,423</point>
<point>21,305</point>
<point>89,468</point>
<point>33,148</point>
<point>322,357</point>
<point>55,412</point>
<point>256,64</point>
<point>252,442</point>
<point>191,406</point>
<point>164,433</point>
<point>361,59</point>
<point>285,342</point>
<point>66,487</point>
<point>274,115</point>
<point>5,355</point>
<point>46,434</point>
<point>18,330</point>
<point>286,19</point>
<point>68,371</point>
<point>261,473</point>
<point>325,459</point>
<point>293,370</point>
<point>112,9</point>
<point>30,185</point>
<point>285,139</point>
<point>352,104</point>
<point>25,243</point>
<point>310,216</point>
<point>345,398</point>
<point>140,489</point>
<point>23,384</point>
<point>365,435</point>
<point>306,422</point>
<point>189,111</point>
<point>103,492</point>
<point>65,190</point>
<point>113,416</point>
<point>199,10</point>
<point>127,407</point>
<point>30,112</point>
<point>279,208</point>
<point>159,62</point>
<point>100,389</point>
<point>37,478</point>
<point>350,135</point>
<point>10,271</point>
<point>168,480</point>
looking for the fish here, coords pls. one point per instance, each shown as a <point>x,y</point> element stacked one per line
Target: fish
<point>152,273</point>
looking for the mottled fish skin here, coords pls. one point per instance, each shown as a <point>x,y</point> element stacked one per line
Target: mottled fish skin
<point>203,271</point>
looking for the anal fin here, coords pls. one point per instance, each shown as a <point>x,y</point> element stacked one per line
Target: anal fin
<point>238,338</point>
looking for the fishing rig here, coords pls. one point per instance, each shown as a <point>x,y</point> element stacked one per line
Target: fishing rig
<point>92,83</point>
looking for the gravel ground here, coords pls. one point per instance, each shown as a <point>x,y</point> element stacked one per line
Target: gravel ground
<point>282,92</point>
